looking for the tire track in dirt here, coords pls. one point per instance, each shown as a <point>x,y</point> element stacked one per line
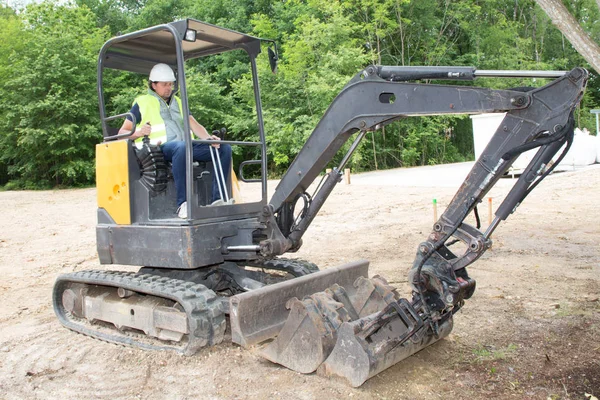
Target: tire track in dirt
<point>40,365</point>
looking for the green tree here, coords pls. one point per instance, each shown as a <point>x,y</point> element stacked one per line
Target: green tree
<point>318,56</point>
<point>49,118</point>
<point>49,106</point>
<point>10,28</point>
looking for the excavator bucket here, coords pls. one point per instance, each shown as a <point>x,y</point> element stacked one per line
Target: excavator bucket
<point>354,327</point>
<point>356,360</point>
<point>311,329</point>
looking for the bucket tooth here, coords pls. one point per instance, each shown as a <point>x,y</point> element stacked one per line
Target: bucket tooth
<point>356,360</point>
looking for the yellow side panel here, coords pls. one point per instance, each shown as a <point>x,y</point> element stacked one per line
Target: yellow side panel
<point>112,180</point>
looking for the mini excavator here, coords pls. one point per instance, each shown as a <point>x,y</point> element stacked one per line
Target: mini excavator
<point>225,261</point>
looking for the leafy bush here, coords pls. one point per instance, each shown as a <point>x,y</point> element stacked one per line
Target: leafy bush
<point>48,102</point>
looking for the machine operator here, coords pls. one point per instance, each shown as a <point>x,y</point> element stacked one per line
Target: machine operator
<point>160,117</point>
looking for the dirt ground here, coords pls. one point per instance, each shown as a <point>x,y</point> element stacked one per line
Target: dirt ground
<point>531,331</point>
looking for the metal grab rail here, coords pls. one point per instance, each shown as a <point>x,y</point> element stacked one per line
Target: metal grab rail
<point>241,170</point>
<point>122,135</point>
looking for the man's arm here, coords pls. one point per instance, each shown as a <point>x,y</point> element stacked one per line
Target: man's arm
<point>201,131</point>
<point>128,125</point>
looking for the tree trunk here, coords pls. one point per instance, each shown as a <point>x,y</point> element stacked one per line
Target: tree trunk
<point>570,28</point>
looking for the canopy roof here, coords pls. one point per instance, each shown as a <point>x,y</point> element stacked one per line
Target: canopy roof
<point>140,51</point>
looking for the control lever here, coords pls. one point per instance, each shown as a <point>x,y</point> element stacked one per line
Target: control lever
<point>214,155</point>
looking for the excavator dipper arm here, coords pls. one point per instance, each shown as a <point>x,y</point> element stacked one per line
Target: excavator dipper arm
<point>546,123</point>
<point>369,339</point>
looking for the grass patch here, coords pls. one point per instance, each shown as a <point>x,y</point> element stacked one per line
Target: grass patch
<point>570,311</point>
<point>489,353</point>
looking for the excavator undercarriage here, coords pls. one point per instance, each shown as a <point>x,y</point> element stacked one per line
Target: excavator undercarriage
<point>226,261</point>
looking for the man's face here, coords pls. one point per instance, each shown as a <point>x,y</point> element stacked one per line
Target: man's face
<point>163,89</point>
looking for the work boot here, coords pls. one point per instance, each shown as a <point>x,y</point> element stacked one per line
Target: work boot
<point>182,210</point>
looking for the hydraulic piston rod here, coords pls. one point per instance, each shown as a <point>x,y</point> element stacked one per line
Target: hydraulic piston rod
<point>403,74</point>
<point>492,73</point>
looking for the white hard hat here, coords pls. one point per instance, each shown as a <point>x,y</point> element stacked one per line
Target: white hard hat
<point>162,73</point>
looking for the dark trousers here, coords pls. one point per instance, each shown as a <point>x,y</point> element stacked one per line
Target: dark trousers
<point>175,153</point>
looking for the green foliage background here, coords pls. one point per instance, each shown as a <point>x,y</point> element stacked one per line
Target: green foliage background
<point>48,100</point>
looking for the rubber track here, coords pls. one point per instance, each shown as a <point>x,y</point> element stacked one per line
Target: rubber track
<point>296,267</point>
<point>206,320</point>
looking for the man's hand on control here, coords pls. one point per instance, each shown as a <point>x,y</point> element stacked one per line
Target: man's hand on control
<point>214,137</point>
<point>145,130</point>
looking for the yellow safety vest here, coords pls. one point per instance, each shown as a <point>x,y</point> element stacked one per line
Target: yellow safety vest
<point>150,109</point>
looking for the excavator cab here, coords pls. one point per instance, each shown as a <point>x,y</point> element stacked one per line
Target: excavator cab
<point>137,220</point>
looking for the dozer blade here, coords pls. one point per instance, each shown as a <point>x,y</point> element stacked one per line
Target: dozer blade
<point>311,330</point>
<point>357,360</point>
<point>259,315</point>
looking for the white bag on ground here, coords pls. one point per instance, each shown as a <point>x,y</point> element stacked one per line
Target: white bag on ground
<point>583,151</point>
<point>597,148</point>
